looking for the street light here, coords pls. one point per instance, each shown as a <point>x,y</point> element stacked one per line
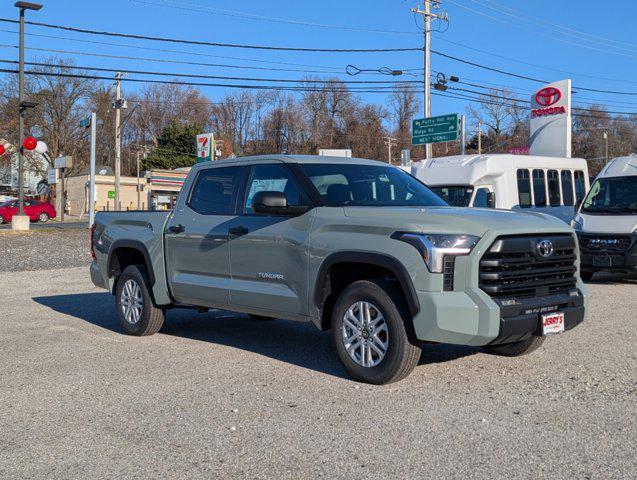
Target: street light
<point>22,222</point>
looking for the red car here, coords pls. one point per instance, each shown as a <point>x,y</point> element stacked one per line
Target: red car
<point>36,210</point>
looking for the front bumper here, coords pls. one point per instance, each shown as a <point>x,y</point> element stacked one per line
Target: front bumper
<point>473,318</point>
<point>608,252</point>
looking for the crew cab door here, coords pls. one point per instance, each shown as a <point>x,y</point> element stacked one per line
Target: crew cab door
<point>269,253</point>
<point>196,238</point>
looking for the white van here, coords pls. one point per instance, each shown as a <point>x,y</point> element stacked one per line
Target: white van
<point>550,185</point>
<point>606,222</point>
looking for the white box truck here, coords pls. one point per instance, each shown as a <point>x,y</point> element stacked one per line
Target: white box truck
<point>551,185</point>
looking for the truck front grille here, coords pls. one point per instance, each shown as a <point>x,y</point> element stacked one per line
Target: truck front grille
<point>514,267</point>
<point>592,244</point>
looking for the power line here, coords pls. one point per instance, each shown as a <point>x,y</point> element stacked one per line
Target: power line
<point>535,32</point>
<point>524,77</point>
<point>166,50</point>
<point>214,44</point>
<point>251,16</point>
<point>564,30</point>
<point>214,77</point>
<point>180,62</point>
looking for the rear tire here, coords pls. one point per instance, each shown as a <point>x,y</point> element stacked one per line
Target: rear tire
<point>586,276</point>
<point>260,318</point>
<point>43,217</point>
<point>1,219</point>
<point>136,311</point>
<point>517,348</point>
<point>371,311</point>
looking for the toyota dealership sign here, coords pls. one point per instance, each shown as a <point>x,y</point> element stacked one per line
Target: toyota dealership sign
<point>551,121</point>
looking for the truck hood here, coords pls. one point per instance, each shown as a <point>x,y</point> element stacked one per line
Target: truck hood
<point>452,220</point>
<point>607,223</point>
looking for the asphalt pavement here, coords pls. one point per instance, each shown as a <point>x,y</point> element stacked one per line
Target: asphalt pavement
<point>217,395</point>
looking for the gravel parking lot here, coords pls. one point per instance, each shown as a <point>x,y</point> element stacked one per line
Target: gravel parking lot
<point>219,396</point>
<point>44,248</point>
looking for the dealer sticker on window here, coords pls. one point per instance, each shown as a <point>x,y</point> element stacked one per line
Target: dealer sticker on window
<point>552,323</point>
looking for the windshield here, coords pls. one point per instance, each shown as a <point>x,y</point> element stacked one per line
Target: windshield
<point>369,185</point>
<point>456,195</point>
<point>615,195</point>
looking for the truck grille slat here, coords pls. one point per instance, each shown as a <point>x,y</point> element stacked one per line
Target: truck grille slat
<point>512,267</point>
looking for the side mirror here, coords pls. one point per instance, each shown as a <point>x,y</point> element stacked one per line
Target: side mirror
<point>275,203</point>
<point>269,202</point>
<point>490,199</point>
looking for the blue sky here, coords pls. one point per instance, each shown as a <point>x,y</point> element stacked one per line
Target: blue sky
<point>587,41</point>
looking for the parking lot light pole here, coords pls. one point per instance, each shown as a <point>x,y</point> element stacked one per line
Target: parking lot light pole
<point>21,223</point>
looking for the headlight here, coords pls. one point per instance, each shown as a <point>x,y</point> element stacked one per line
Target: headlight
<point>434,248</point>
<point>576,224</point>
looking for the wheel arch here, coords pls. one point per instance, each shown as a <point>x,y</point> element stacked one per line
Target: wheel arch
<point>128,252</point>
<point>323,287</point>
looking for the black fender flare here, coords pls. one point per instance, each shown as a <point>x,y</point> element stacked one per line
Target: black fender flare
<point>382,260</point>
<point>134,245</point>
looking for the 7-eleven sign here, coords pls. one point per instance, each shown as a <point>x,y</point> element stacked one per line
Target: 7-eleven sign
<point>205,147</point>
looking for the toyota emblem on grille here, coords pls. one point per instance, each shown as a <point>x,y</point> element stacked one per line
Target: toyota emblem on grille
<point>545,248</point>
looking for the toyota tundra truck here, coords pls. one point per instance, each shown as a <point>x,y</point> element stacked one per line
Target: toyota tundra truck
<point>357,247</point>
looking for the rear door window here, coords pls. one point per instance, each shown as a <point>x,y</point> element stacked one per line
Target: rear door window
<point>539,188</point>
<point>212,193</point>
<point>524,188</point>
<point>567,187</point>
<point>554,188</point>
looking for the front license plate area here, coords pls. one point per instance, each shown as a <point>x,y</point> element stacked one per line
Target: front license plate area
<point>552,323</point>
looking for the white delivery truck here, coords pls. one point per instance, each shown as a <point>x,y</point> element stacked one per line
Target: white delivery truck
<point>550,185</point>
<point>606,222</point>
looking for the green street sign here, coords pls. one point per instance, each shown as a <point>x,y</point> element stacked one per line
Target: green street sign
<point>85,122</point>
<point>443,128</point>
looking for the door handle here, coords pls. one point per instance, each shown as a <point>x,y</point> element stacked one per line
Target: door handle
<point>238,231</point>
<point>176,228</point>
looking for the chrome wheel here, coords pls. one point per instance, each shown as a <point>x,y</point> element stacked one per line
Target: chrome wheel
<point>132,301</point>
<point>365,334</point>
<point>43,217</point>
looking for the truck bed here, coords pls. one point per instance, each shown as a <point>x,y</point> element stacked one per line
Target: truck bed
<point>138,228</point>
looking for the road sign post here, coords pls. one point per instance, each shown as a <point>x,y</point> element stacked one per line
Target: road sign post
<point>443,128</point>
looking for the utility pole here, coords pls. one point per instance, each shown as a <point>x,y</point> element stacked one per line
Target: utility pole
<point>21,223</point>
<point>463,139</point>
<point>118,138</point>
<point>389,141</point>
<point>606,140</point>
<point>427,16</point>
<point>479,137</point>
<point>138,192</point>
<point>91,183</point>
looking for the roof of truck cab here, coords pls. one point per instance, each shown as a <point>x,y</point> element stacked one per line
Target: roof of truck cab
<point>294,159</point>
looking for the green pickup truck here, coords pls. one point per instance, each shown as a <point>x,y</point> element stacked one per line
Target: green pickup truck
<point>357,247</point>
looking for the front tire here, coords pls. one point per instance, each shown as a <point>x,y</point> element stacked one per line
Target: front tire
<point>517,348</point>
<point>374,341</point>
<point>43,217</point>
<point>1,219</point>
<point>137,314</point>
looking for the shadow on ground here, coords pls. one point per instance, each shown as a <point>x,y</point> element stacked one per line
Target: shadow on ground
<point>297,343</point>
